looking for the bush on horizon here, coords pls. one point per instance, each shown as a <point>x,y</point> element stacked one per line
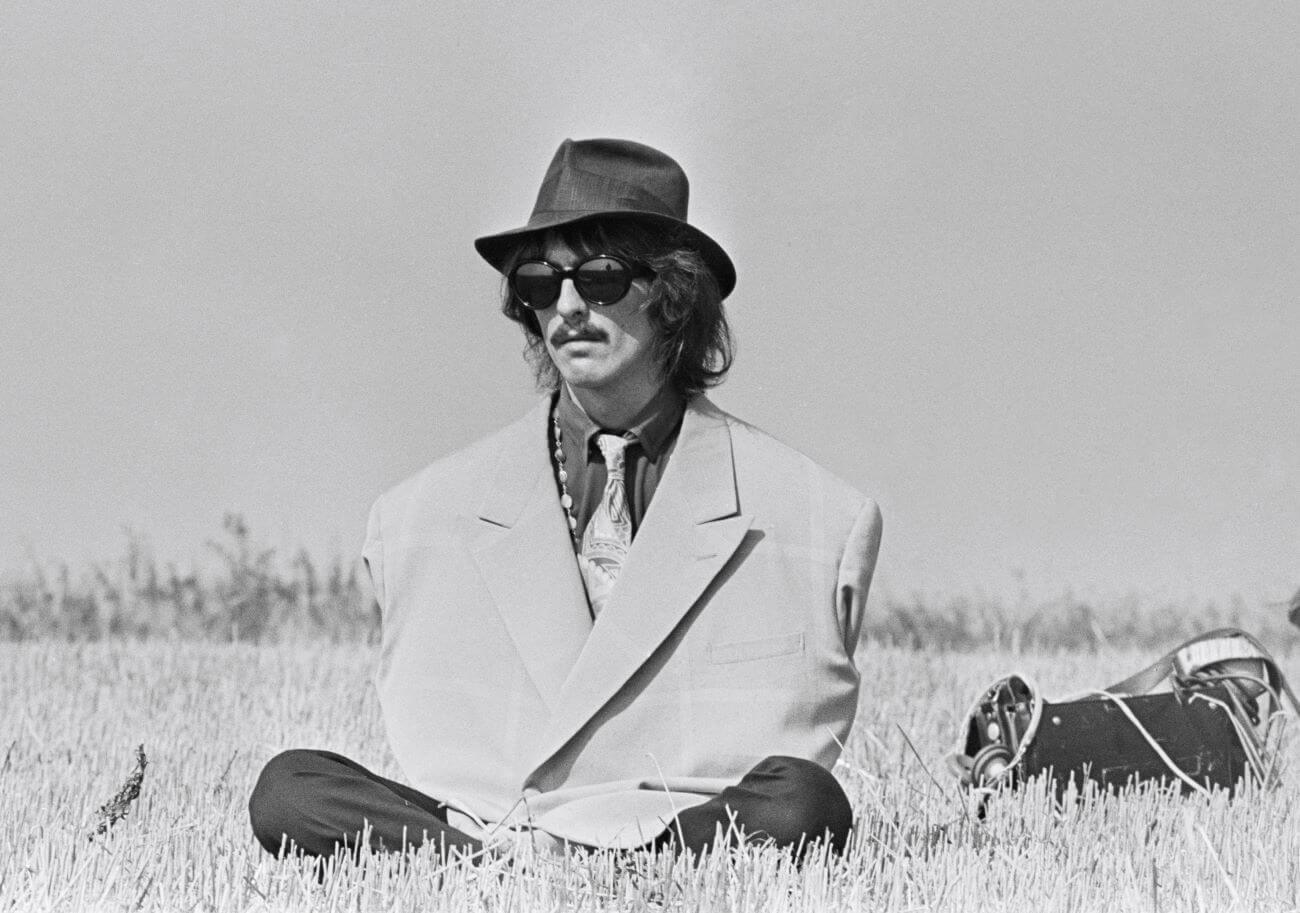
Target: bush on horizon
<point>249,594</point>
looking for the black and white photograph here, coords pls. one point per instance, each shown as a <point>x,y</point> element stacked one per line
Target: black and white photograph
<point>653,457</point>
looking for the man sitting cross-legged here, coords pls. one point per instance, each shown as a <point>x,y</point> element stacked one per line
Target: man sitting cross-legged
<point>627,619</point>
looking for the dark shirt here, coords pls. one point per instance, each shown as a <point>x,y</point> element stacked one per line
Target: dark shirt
<point>653,433</point>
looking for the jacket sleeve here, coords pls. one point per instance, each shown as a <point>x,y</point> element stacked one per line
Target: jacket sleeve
<point>856,568</point>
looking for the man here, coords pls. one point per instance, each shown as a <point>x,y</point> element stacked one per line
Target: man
<point>629,618</point>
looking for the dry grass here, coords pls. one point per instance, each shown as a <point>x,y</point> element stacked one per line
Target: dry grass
<point>208,715</point>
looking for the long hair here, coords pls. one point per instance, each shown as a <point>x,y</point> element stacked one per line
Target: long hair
<point>692,343</point>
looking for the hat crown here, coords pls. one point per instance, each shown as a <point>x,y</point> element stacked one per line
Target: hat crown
<point>593,179</point>
<point>608,176</point>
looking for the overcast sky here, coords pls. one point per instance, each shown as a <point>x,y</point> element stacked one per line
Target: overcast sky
<point>1028,275</point>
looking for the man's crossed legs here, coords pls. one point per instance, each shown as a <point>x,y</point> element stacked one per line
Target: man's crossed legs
<point>322,802</point>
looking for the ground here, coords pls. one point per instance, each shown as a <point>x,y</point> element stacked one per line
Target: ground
<point>209,715</point>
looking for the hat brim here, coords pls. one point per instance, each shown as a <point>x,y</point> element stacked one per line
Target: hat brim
<point>496,249</point>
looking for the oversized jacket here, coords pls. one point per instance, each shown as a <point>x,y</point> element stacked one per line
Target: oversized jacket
<point>728,637</point>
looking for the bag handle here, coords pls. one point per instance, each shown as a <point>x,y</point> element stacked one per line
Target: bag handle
<point>1168,666</point>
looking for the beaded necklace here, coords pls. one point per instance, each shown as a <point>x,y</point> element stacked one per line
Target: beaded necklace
<point>566,500</point>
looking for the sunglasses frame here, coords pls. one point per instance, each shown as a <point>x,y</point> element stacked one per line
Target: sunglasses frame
<point>635,271</point>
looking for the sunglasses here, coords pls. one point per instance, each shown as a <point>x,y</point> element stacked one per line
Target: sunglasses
<point>600,279</point>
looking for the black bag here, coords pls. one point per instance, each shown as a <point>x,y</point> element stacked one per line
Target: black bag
<point>1205,715</point>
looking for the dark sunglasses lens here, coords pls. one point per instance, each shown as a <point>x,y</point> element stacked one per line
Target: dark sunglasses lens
<point>535,284</point>
<point>603,280</point>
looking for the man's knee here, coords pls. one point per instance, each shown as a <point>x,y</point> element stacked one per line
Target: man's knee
<point>279,798</point>
<point>789,801</point>
<point>807,803</point>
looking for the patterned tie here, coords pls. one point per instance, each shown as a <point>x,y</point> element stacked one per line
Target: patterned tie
<point>608,535</point>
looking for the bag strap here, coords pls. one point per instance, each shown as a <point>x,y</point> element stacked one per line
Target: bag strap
<point>1146,681</point>
<point>1166,666</point>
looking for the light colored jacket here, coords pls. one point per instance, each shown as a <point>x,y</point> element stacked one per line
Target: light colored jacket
<point>728,638</point>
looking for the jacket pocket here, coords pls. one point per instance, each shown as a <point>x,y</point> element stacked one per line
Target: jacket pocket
<point>741,651</point>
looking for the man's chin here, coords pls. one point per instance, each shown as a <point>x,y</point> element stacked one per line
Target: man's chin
<point>584,380</point>
<point>581,371</point>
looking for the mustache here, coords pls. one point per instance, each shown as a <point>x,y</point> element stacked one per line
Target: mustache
<point>570,334</point>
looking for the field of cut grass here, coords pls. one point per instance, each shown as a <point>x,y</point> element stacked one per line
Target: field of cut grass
<point>208,715</point>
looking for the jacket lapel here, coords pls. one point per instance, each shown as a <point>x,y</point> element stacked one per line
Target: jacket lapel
<point>526,559</point>
<point>691,530</point>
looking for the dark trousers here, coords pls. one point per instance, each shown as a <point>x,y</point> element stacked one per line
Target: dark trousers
<point>321,802</point>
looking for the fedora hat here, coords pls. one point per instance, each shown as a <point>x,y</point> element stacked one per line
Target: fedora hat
<point>601,178</point>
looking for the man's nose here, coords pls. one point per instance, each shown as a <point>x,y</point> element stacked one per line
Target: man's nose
<point>570,304</point>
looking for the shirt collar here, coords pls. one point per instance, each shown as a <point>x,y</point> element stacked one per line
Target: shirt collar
<point>653,427</point>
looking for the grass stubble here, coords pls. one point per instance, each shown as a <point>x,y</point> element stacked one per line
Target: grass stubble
<point>208,715</point>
